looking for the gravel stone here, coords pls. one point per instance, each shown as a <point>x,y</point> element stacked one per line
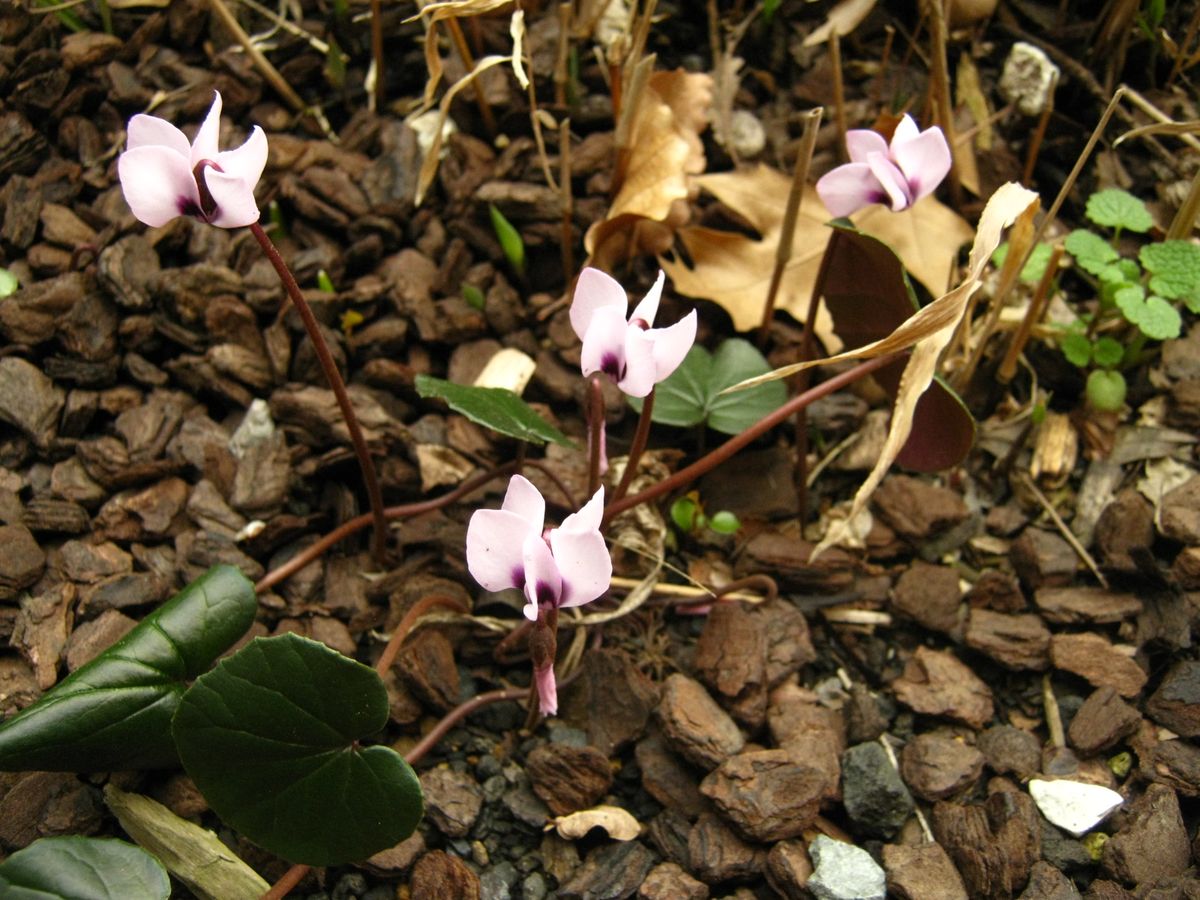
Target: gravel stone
<point>872,791</point>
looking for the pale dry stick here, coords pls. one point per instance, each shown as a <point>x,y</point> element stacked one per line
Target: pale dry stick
<point>468,60</point>
<point>1185,217</point>
<point>566,197</point>
<point>377,54</point>
<point>1053,715</point>
<point>791,212</point>
<point>1068,535</point>
<point>1157,115</point>
<point>686,593</point>
<point>939,84</point>
<point>1033,315</point>
<point>885,741</point>
<point>268,71</point>
<point>1039,132</point>
<point>562,56</point>
<point>714,31</point>
<point>631,98</point>
<point>286,25</point>
<point>1188,35</point>
<point>869,617</point>
<point>839,92</point>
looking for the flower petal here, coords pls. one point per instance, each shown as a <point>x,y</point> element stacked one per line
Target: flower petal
<point>205,146</point>
<point>584,563</point>
<point>525,500</point>
<point>604,343</point>
<point>847,189</point>
<point>495,549</point>
<point>593,291</point>
<point>543,581</point>
<point>906,130</point>
<point>547,690</point>
<point>924,160</point>
<point>892,180</point>
<point>588,518</point>
<point>647,309</point>
<point>234,197</point>
<point>862,141</point>
<point>672,344</point>
<point>639,377</point>
<point>157,183</point>
<point>248,160</point>
<point>150,131</point>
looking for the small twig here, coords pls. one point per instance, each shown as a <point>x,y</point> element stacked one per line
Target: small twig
<point>1053,716</point>
<point>939,84</point>
<point>566,198</point>
<point>1039,133</point>
<point>1068,535</point>
<point>1185,217</point>
<point>290,27</point>
<point>468,61</point>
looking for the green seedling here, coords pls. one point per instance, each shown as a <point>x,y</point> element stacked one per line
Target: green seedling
<point>688,515</point>
<point>325,283</point>
<point>510,240</point>
<point>8,283</point>
<point>474,297</point>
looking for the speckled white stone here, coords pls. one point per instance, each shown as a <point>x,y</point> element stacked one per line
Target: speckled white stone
<point>1074,806</point>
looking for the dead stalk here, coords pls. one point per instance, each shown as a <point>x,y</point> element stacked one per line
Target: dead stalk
<point>1035,142</point>
<point>939,85</point>
<point>632,94</point>
<point>1053,716</point>
<point>1067,534</point>
<point>468,60</point>
<point>566,197</point>
<point>783,250</point>
<point>1185,216</point>
<point>561,57</point>
<point>839,92</point>
<point>1033,315</point>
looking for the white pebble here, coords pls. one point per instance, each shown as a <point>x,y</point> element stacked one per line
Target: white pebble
<point>1074,806</point>
<point>1028,78</point>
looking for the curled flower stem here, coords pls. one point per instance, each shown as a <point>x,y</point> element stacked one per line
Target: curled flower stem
<point>370,479</point>
<point>402,630</point>
<point>715,457</point>
<point>456,715</point>
<point>640,438</point>
<point>595,417</point>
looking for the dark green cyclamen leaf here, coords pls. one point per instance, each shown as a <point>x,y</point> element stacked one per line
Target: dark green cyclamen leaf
<point>81,868</point>
<point>692,393</point>
<point>869,295</point>
<point>115,712</point>
<point>497,408</point>
<point>271,738</point>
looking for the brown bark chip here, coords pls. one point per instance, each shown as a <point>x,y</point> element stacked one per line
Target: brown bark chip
<point>695,726</point>
<point>1081,604</point>
<point>788,870</point>
<point>427,664</point>
<point>1102,722</point>
<point>440,876</point>
<point>1048,883</point>
<point>936,683</point>
<point>609,873</point>
<point>42,804</point>
<point>917,510</point>
<point>568,778</point>
<point>1179,515</point>
<point>1093,658</point>
<point>586,702</point>
<point>668,779</point>
<point>1020,642</point>
<point>1176,703</point>
<point>452,800</point>
<point>1043,559</point>
<point>930,596</point>
<point>921,872</point>
<point>668,881</point>
<point>1125,527</point>
<point>939,764</point>
<point>731,659</point>
<point>21,560</point>
<point>1152,843</point>
<point>993,844</point>
<point>768,795</point>
<point>717,854</point>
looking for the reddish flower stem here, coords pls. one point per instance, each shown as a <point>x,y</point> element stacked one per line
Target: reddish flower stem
<point>641,437</point>
<point>370,479</point>
<point>401,631</point>
<point>287,882</point>
<point>595,417</point>
<point>733,445</point>
<point>456,715</point>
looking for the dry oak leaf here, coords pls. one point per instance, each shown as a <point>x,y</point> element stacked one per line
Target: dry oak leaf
<point>734,270</point>
<point>665,151</point>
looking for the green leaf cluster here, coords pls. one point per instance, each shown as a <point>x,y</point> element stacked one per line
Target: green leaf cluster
<point>1035,266</point>
<point>1082,351</point>
<point>688,515</point>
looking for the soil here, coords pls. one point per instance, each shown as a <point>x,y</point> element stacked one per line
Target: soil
<point>1027,614</point>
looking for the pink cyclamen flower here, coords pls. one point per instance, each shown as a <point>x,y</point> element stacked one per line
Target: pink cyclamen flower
<point>631,353</point>
<point>163,176</point>
<point>898,174</point>
<point>555,567</point>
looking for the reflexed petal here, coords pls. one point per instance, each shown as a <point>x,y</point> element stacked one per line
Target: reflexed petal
<point>593,291</point>
<point>604,341</point>
<point>892,180</point>
<point>234,197</point>
<point>248,160</point>
<point>543,582</point>
<point>585,565</point>
<point>589,516</point>
<point>924,160</point>
<point>640,371</point>
<point>205,146</point>
<point>495,549</point>
<point>547,691</point>
<point>906,130</point>
<point>672,344</point>
<point>525,501</point>
<point>849,188</point>
<point>862,141</point>
<point>150,131</point>
<point>647,309</point>
<point>156,181</point>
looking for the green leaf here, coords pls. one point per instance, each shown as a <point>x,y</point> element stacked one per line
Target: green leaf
<point>1107,352</point>
<point>115,712</point>
<point>684,513</point>
<point>724,522</point>
<point>692,393</point>
<point>271,737</point>
<point>1115,208</point>
<point>1077,349</point>
<point>8,283</point>
<point>1156,317</point>
<point>474,297</point>
<point>497,408</point>
<point>510,240</point>
<point>82,868</point>
<point>1175,270</point>
<point>1106,390</point>
<point>1035,266</point>
<point>1092,252</point>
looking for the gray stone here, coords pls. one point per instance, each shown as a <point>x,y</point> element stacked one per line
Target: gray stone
<point>844,872</point>
<point>872,791</point>
<point>497,882</point>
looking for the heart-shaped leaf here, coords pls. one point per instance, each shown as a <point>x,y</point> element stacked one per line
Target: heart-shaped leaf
<point>81,868</point>
<point>498,409</point>
<point>692,393</point>
<point>115,712</point>
<point>271,738</point>
<point>868,294</point>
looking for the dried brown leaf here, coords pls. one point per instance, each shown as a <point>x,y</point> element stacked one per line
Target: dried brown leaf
<point>843,19</point>
<point>616,822</point>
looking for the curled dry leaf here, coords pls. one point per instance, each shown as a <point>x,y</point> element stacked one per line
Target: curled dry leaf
<point>927,332</point>
<point>843,19</point>
<point>617,823</point>
<point>665,151</point>
<point>734,270</point>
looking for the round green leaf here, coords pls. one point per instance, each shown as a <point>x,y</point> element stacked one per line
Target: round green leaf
<point>271,738</point>
<point>684,513</point>
<point>1106,390</point>
<point>724,522</point>
<point>681,399</point>
<point>1090,251</point>
<point>1114,208</point>
<point>1107,352</point>
<point>1175,270</point>
<point>1077,349</point>
<point>80,868</point>
<point>735,361</point>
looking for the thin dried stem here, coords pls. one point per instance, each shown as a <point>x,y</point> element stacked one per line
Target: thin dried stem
<point>418,609</point>
<point>640,438</point>
<point>1185,217</point>
<point>468,61</point>
<point>377,97</point>
<point>1039,133</point>
<point>1033,315</point>
<point>839,92</point>
<point>566,197</point>
<point>939,85</point>
<point>329,367</point>
<point>562,56</point>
